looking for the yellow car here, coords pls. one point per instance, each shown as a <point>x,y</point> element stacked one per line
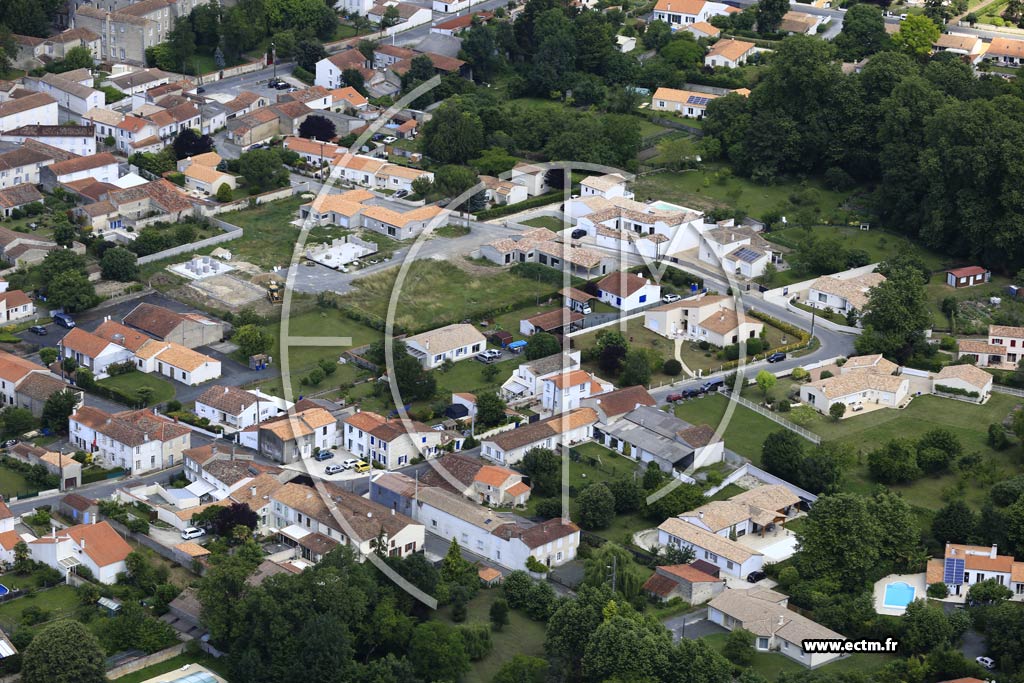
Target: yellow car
<point>362,467</point>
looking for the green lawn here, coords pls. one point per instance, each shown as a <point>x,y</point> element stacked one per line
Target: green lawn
<point>13,483</point>
<point>974,319</point>
<point>609,465</point>
<point>57,601</point>
<point>773,664</point>
<point>131,382</point>
<point>727,493</point>
<point>451,231</point>
<point>701,190</point>
<point>434,293</point>
<point>878,245</point>
<point>549,222</point>
<point>218,666</point>
<point>746,430</point>
<point>467,375</point>
<point>521,636</point>
<point>269,240</point>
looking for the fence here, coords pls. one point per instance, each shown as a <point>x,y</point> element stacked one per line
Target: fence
<point>147,660</point>
<point>788,291</point>
<point>215,76</point>
<point>1003,389</point>
<point>246,202</point>
<point>235,233</point>
<point>795,428</point>
<point>821,320</point>
<point>762,476</point>
<point>145,540</point>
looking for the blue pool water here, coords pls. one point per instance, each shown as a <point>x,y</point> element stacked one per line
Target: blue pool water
<point>899,594</point>
<point>664,206</point>
<point>4,590</point>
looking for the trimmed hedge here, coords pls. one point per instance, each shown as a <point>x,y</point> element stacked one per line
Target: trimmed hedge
<point>509,209</point>
<point>956,391</point>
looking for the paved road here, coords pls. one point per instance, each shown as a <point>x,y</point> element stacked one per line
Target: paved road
<point>99,489</point>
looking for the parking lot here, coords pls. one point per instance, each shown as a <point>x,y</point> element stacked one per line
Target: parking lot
<point>317,469</point>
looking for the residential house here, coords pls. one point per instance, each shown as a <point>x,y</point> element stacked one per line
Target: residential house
<point>299,510</point>
<point>800,23</point>
<point>30,49</point>
<point>208,180</point>
<point>56,47</point>
<point>521,248</point>
<point>208,159</point>
<point>1006,51</point>
<point>962,566</point>
<point>344,210</point>
<point>315,152</point>
<point>627,291</point>
<point>501,538</point>
<point>683,581</point>
<point>608,185</point>
<point>15,305</point>
<point>1003,347</point>
<point>235,408</point>
<point>502,192</point>
<point>452,342</point>
<point>627,226</point>
<point>863,382</point>
<point>19,249</point>
<point>965,378</point>
<point>140,80</point>
<point>680,13</point>
<point>566,390</point>
<point>509,447</point>
<point>93,352</point>
<point>135,134</point>
<point>80,140</point>
<point>400,226</point>
<point>329,70</point>
<point>968,276</point>
<point>843,295</point>
<point>258,495</point>
<point>172,120</point>
<point>244,103</point>
<point>73,96</point>
<point>24,384</point>
<point>556,321</point>
<point>525,382</point>
<point>139,441</point>
<point>613,405</point>
<point>754,511</point>
<point>296,436</point>
<point>533,177</point>
<point>105,122</point>
<point>705,317</point>
<point>688,103</point>
<point>776,628</point>
<point>960,44</point>
<point>450,27</point>
<point>652,435</point>
<point>290,116</point>
<point>35,109</point>
<point>127,30</point>
<point>472,477</point>
<point>79,508</point>
<point>315,97</point>
<point>702,29</point>
<point>576,299</point>
<point>254,128</point>
<point>102,167</point>
<point>20,163</point>
<point>348,98</point>
<point>736,249</point>
<point>729,556</point>
<point>97,547</point>
<point>390,443</point>
<point>729,52</point>
<point>188,329</point>
<point>177,362</point>
<point>450,6</point>
<point>66,469</point>
<point>18,196</point>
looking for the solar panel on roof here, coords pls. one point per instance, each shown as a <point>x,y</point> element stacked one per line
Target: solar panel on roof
<point>953,571</point>
<point>748,255</point>
<point>694,99</point>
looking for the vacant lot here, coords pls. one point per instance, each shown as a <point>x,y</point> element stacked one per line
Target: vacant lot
<point>521,636</point>
<point>434,294</point>
<point>708,189</point>
<point>976,309</point>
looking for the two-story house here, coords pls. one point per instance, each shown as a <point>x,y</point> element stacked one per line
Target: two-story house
<point>389,443</point>
<point>235,408</point>
<point>138,441</point>
<point>565,390</point>
<point>293,437</point>
<point>525,382</point>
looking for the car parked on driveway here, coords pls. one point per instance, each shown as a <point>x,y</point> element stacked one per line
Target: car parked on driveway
<point>333,469</point>
<point>38,329</point>
<point>349,463</point>
<point>579,233</point>
<point>188,533</point>
<point>323,455</point>
<point>488,356</point>
<point>670,298</point>
<point>776,357</point>
<point>755,576</point>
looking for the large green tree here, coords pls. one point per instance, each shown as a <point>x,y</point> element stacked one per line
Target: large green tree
<point>596,506</point>
<point>770,13</point>
<point>544,468</point>
<point>262,169</point>
<point>452,135</point>
<point>916,36</point>
<point>63,652</point>
<point>840,540</point>
<point>895,316</point>
<point>438,652</point>
<point>863,33</point>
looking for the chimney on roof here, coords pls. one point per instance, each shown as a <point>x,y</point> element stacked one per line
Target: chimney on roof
<point>700,513</point>
<point>252,491</point>
<point>83,544</point>
<point>226,390</point>
<point>369,514</point>
<point>992,553</point>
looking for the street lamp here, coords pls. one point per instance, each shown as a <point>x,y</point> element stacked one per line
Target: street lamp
<point>273,59</point>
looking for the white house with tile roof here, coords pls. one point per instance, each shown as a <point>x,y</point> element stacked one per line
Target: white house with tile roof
<point>452,342</point>
<point>627,291</point>
<point>729,556</point>
<point>843,294</point>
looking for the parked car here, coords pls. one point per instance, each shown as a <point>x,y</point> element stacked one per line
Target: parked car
<point>670,298</point>
<point>333,469</point>
<point>579,233</point>
<point>755,576</point>
<point>200,90</point>
<point>389,139</point>
<point>38,329</point>
<point>64,320</point>
<point>776,357</point>
<point>188,533</point>
<point>9,443</point>
<point>349,463</point>
<point>402,193</point>
<point>712,384</point>
<point>362,467</point>
<point>323,455</point>
<point>986,662</point>
<point>488,356</point>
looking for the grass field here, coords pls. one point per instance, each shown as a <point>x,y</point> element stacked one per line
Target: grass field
<point>467,376</point>
<point>549,222</point>
<point>131,382</point>
<point>745,431</point>
<point>521,636</point>
<point>773,664</point>
<point>58,601</point>
<point>937,290</point>
<point>701,190</point>
<point>438,293</point>
<point>269,240</point>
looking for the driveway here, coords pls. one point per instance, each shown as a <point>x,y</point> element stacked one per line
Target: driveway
<point>692,625</point>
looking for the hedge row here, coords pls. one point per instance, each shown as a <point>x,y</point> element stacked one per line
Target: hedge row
<point>788,328</point>
<point>509,209</point>
<point>956,391</point>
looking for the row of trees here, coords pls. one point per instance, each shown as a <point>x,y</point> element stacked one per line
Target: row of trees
<point>903,460</point>
<point>932,136</point>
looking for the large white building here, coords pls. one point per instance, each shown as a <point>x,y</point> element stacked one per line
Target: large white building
<point>712,318</point>
<point>501,538</point>
<point>34,109</point>
<point>525,382</point>
<point>139,441</point>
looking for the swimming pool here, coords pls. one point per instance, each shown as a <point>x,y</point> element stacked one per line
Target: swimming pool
<point>4,590</point>
<point>899,594</point>
<point>665,206</point>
